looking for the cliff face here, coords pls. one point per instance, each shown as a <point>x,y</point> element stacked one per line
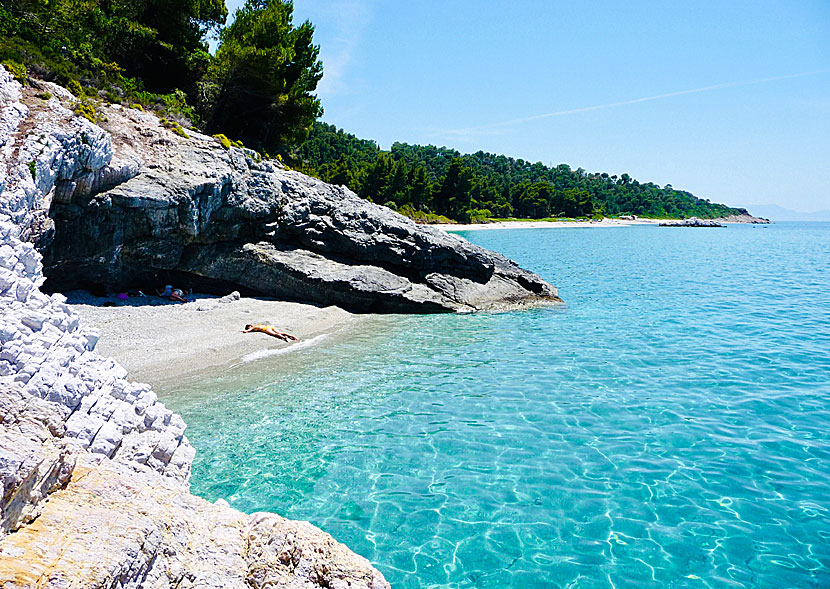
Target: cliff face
<point>94,469</point>
<point>145,206</point>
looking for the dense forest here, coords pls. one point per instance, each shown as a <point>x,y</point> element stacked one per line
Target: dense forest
<point>424,181</point>
<point>258,90</point>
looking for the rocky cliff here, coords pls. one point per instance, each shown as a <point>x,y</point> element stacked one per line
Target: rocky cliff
<point>136,205</point>
<point>94,469</point>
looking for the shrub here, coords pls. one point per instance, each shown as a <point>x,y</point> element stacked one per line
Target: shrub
<point>174,127</point>
<point>33,169</point>
<point>479,215</point>
<point>226,143</point>
<point>86,109</point>
<point>75,87</point>
<point>422,217</point>
<point>17,69</point>
<point>44,95</point>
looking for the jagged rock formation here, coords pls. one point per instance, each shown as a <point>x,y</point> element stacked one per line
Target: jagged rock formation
<point>146,203</point>
<point>94,469</point>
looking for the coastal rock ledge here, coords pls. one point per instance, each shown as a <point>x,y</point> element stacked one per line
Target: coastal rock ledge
<point>136,205</point>
<point>94,469</point>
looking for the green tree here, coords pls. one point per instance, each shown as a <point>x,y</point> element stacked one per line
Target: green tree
<point>161,41</point>
<point>453,198</point>
<point>420,188</point>
<point>379,178</point>
<point>398,190</point>
<point>263,79</point>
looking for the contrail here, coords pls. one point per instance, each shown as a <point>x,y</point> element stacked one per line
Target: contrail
<point>573,111</point>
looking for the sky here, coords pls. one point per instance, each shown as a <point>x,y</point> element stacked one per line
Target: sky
<point>729,100</point>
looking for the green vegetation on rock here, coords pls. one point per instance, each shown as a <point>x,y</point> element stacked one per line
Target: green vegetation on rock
<point>226,143</point>
<point>86,109</point>
<point>174,127</point>
<point>154,53</point>
<point>16,69</point>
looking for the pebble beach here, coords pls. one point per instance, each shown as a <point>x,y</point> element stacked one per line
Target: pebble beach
<point>169,344</point>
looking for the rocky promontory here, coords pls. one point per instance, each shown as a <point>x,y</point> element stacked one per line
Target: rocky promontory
<point>744,218</point>
<point>132,204</point>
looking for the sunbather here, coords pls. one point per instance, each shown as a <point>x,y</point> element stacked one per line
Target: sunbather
<point>270,330</point>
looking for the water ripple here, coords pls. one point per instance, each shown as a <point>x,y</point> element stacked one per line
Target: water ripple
<point>670,427</point>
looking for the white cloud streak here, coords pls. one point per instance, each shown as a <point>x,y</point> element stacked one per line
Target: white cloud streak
<point>493,127</point>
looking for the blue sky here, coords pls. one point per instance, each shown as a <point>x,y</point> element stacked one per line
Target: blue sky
<point>730,100</point>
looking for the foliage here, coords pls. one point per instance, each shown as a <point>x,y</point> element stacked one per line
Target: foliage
<point>44,95</point>
<point>75,87</point>
<point>84,108</point>
<point>159,41</point>
<point>174,127</point>
<point>473,187</point>
<point>17,70</point>
<point>226,143</point>
<point>423,217</point>
<point>33,169</point>
<point>261,82</point>
<point>153,53</point>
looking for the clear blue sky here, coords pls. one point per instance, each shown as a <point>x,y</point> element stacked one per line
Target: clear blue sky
<point>480,75</point>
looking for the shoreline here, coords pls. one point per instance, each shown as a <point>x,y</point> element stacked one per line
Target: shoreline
<point>606,222</point>
<point>172,345</point>
<point>547,224</point>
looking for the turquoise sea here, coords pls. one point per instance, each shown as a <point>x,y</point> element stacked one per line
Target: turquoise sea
<point>668,427</point>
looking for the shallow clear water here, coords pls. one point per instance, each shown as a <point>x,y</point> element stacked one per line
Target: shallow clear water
<point>669,427</point>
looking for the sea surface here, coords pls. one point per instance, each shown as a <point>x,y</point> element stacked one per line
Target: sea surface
<point>668,427</point>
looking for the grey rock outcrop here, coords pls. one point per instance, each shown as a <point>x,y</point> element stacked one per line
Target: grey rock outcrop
<point>744,218</point>
<point>94,469</point>
<point>166,207</point>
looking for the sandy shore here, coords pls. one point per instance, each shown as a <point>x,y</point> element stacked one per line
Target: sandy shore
<point>170,344</point>
<point>547,224</point>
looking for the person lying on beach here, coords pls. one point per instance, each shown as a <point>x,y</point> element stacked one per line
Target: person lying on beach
<point>270,330</point>
<point>178,295</point>
<point>174,294</point>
